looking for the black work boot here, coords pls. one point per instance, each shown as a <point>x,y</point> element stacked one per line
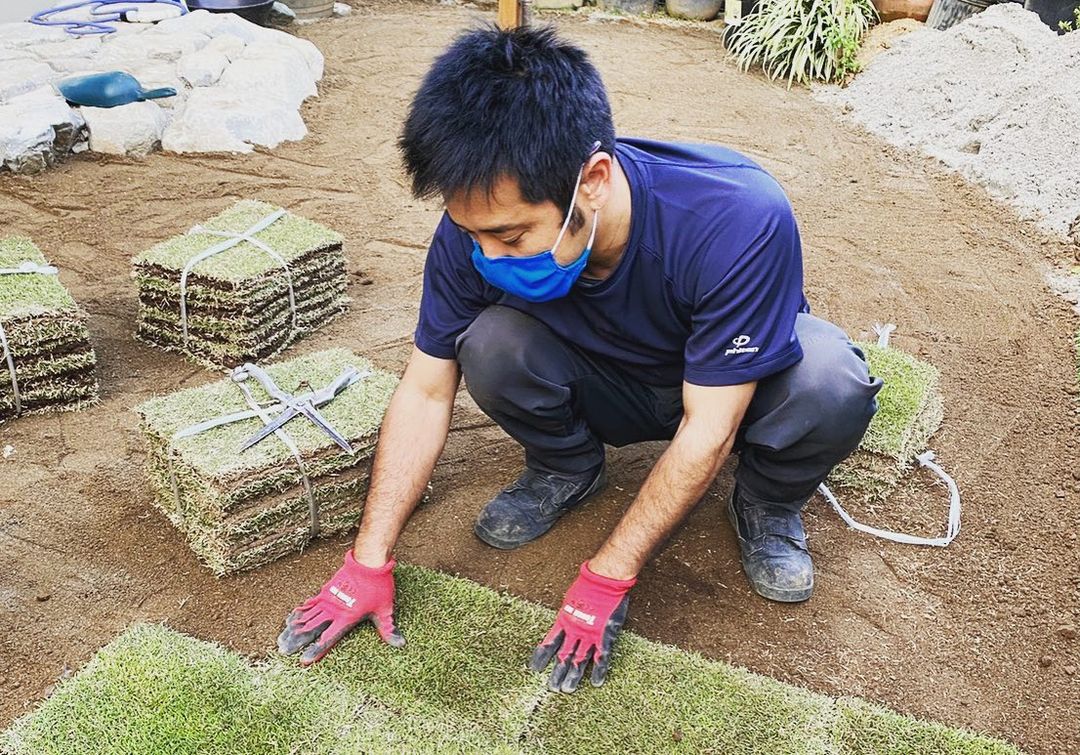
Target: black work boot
<point>773,545</point>
<point>528,508</point>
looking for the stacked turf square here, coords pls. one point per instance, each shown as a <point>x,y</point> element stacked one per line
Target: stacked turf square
<point>241,509</point>
<point>909,412</point>
<point>48,343</point>
<point>237,301</point>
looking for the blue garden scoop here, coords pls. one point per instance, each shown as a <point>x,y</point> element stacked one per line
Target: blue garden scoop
<point>108,89</point>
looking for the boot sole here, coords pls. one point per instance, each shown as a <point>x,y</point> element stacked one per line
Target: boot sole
<point>508,545</point>
<point>769,593</point>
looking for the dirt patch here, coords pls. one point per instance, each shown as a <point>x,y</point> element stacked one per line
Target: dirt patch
<point>955,634</point>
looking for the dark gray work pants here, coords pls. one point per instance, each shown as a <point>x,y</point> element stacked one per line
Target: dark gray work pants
<point>563,405</point>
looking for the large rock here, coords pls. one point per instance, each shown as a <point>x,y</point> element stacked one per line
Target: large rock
<point>221,24</point>
<point>21,76</point>
<point>23,34</point>
<point>275,71</point>
<point>74,47</point>
<point>37,129</point>
<point>224,119</point>
<point>135,50</point>
<point>202,68</point>
<point>133,129</point>
<point>229,45</point>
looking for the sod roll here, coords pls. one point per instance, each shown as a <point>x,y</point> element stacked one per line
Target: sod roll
<point>909,412</point>
<point>236,303</point>
<point>48,344</point>
<point>460,685</point>
<point>241,509</point>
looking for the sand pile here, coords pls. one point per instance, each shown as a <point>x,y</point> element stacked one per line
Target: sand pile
<point>46,360</point>
<point>243,508</point>
<point>221,299</point>
<point>994,98</point>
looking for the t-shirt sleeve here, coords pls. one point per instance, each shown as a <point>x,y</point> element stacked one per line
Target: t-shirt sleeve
<point>745,302</point>
<point>454,293</point>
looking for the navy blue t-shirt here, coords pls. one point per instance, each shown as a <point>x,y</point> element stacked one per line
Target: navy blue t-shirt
<point>707,290</point>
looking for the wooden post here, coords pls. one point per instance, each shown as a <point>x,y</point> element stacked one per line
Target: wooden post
<point>511,14</point>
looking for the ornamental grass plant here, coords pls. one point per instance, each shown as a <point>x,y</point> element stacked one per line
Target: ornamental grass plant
<point>802,40</point>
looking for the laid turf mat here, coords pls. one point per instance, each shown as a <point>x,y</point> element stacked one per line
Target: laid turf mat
<point>46,333</point>
<point>240,509</point>
<point>909,412</point>
<point>154,691</point>
<point>460,685</point>
<point>464,660</point>
<point>237,301</point>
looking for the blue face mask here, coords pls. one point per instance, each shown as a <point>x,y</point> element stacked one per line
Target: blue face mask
<point>538,277</point>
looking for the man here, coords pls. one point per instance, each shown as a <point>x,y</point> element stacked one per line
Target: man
<point>598,291</point>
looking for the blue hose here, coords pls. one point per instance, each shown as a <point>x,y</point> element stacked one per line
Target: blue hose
<point>103,14</point>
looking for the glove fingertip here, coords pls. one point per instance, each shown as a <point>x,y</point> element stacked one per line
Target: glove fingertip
<point>313,654</point>
<point>394,639</point>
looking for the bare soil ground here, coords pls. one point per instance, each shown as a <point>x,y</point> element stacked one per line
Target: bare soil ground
<point>967,635</point>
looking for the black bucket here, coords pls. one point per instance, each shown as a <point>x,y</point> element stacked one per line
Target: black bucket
<point>946,13</point>
<point>1053,12</point>
<point>255,11</point>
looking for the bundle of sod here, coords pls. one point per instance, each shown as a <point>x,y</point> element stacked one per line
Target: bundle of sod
<point>909,412</point>
<point>47,338</point>
<point>237,301</point>
<point>459,686</point>
<point>243,509</point>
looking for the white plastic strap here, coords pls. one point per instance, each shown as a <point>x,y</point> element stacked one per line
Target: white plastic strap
<point>284,437</point>
<point>883,333</point>
<point>926,459</point>
<point>275,408</point>
<point>232,239</point>
<point>26,268</point>
<point>265,413</point>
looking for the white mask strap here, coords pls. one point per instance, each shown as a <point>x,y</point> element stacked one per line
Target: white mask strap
<point>570,212</point>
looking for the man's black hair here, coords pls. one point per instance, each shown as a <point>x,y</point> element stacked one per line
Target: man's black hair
<point>521,103</point>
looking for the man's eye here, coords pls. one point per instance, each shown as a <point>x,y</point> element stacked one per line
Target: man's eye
<point>514,241</point>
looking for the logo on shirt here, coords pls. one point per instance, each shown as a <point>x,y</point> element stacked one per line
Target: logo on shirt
<point>740,346</point>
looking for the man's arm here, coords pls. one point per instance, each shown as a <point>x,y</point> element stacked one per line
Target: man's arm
<point>412,437</point>
<point>411,440</point>
<point>711,417</point>
<point>595,606</point>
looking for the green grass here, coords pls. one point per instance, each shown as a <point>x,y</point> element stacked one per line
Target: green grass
<point>356,413</point>
<point>909,406</point>
<point>459,686</point>
<point>909,413</point>
<point>290,236</point>
<point>29,295</point>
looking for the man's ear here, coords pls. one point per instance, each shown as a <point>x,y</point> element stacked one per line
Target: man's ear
<point>596,181</point>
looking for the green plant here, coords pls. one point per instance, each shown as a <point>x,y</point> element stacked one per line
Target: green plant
<point>803,40</point>
<point>1071,25</point>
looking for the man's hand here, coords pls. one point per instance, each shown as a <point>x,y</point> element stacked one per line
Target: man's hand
<point>591,616</point>
<point>356,592</point>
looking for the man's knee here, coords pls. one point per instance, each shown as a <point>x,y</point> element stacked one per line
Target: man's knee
<point>835,380</point>
<point>494,349</point>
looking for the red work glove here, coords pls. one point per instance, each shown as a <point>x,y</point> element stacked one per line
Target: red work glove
<point>356,592</point>
<point>592,614</point>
